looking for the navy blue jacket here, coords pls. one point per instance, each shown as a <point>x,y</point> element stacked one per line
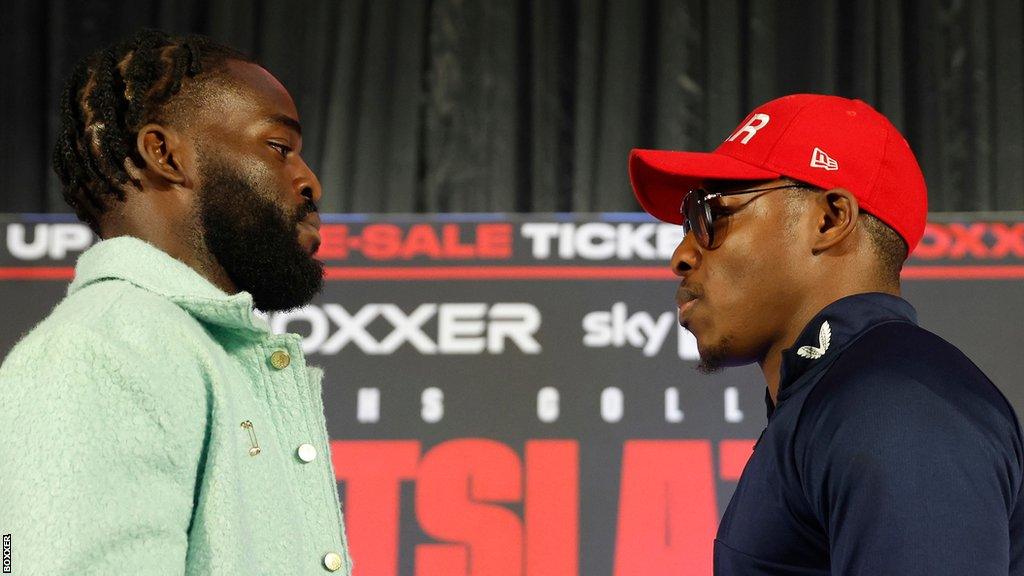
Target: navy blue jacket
<point>887,452</point>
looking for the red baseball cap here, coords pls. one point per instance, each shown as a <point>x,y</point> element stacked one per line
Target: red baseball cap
<point>827,141</point>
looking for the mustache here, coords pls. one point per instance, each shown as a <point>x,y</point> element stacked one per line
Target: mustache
<point>687,292</point>
<point>308,207</point>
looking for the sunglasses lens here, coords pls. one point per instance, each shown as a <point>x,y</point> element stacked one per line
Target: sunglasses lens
<point>695,215</point>
<point>704,230</point>
<point>685,209</point>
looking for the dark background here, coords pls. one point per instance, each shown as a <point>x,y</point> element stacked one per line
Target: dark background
<point>532,105</point>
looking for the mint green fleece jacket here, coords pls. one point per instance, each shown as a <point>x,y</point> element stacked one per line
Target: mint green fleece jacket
<point>122,444</point>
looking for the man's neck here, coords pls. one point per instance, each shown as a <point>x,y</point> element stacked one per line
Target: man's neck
<point>182,240</point>
<point>771,363</point>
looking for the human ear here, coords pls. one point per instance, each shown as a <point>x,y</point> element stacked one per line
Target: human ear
<point>161,150</point>
<point>837,212</point>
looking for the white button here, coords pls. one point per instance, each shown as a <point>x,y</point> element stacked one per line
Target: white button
<point>332,561</point>
<point>307,453</point>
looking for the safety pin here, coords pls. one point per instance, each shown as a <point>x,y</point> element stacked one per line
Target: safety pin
<point>255,449</point>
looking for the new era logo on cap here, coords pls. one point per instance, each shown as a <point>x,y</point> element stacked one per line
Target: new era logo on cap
<point>821,160</point>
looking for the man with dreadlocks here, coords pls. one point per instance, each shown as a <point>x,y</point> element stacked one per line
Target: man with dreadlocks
<point>152,424</point>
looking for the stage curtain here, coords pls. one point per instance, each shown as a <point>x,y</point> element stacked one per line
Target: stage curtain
<point>533,105</point>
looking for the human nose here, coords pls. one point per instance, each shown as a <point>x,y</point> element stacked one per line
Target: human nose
<point>686,256</point>
<point>307,184</point>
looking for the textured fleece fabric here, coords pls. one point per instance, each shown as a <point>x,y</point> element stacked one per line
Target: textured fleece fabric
<point>122,449</point>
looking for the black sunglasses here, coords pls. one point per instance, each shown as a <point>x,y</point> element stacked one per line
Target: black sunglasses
<point>699,216</point>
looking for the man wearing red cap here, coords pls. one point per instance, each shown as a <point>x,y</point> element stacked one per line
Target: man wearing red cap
<point>887,451</point>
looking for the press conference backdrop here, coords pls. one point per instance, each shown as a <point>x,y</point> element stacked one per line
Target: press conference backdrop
<point>512,395</point>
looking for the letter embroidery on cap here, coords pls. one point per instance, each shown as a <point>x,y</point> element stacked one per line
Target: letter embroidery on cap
<point>750,128</point>
<point>821,160</point>
<point>824,338</point>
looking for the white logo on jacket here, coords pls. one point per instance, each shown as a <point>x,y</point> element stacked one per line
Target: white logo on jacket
<point>824,338</point>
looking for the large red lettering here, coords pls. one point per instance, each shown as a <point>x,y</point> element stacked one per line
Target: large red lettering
<point>667,509</point>
<point>667,506</point>
<point>551,509</point>
<point>1009,240</point>
<point>934,244</point>
<point>452,242</point>
<point>732,458</point>
<point>333,242</point>
<point>381,241</point>
<point>421,241</point>
<point>968,239</point>
<point>455,479</point>
<point>494,240</point>
<point>372,471</point>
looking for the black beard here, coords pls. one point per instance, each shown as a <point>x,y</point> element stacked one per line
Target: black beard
<point>709,365</point>
<point>713,359</point>
<point>255,241</point>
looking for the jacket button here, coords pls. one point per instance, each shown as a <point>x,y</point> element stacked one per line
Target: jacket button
<point>332,561</point>
<point>280,359</point>
<point>307,453</point>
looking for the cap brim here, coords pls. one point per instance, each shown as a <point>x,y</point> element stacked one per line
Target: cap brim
<point>661,178</point>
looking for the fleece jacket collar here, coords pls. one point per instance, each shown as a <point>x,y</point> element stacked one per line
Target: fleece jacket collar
<point>146,266</point>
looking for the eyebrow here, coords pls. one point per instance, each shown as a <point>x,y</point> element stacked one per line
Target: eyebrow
<point>730,185</point>
<point>287,121</point>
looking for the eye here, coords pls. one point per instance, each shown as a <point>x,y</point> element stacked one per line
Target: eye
<point>282,149</point>
<point>719,211</point>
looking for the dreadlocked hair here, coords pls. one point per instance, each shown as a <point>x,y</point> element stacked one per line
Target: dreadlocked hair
<point>110,95</point>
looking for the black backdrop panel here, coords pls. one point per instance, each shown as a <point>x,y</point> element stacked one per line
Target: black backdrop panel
<point>533,105</point>
<point>512,395</point>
